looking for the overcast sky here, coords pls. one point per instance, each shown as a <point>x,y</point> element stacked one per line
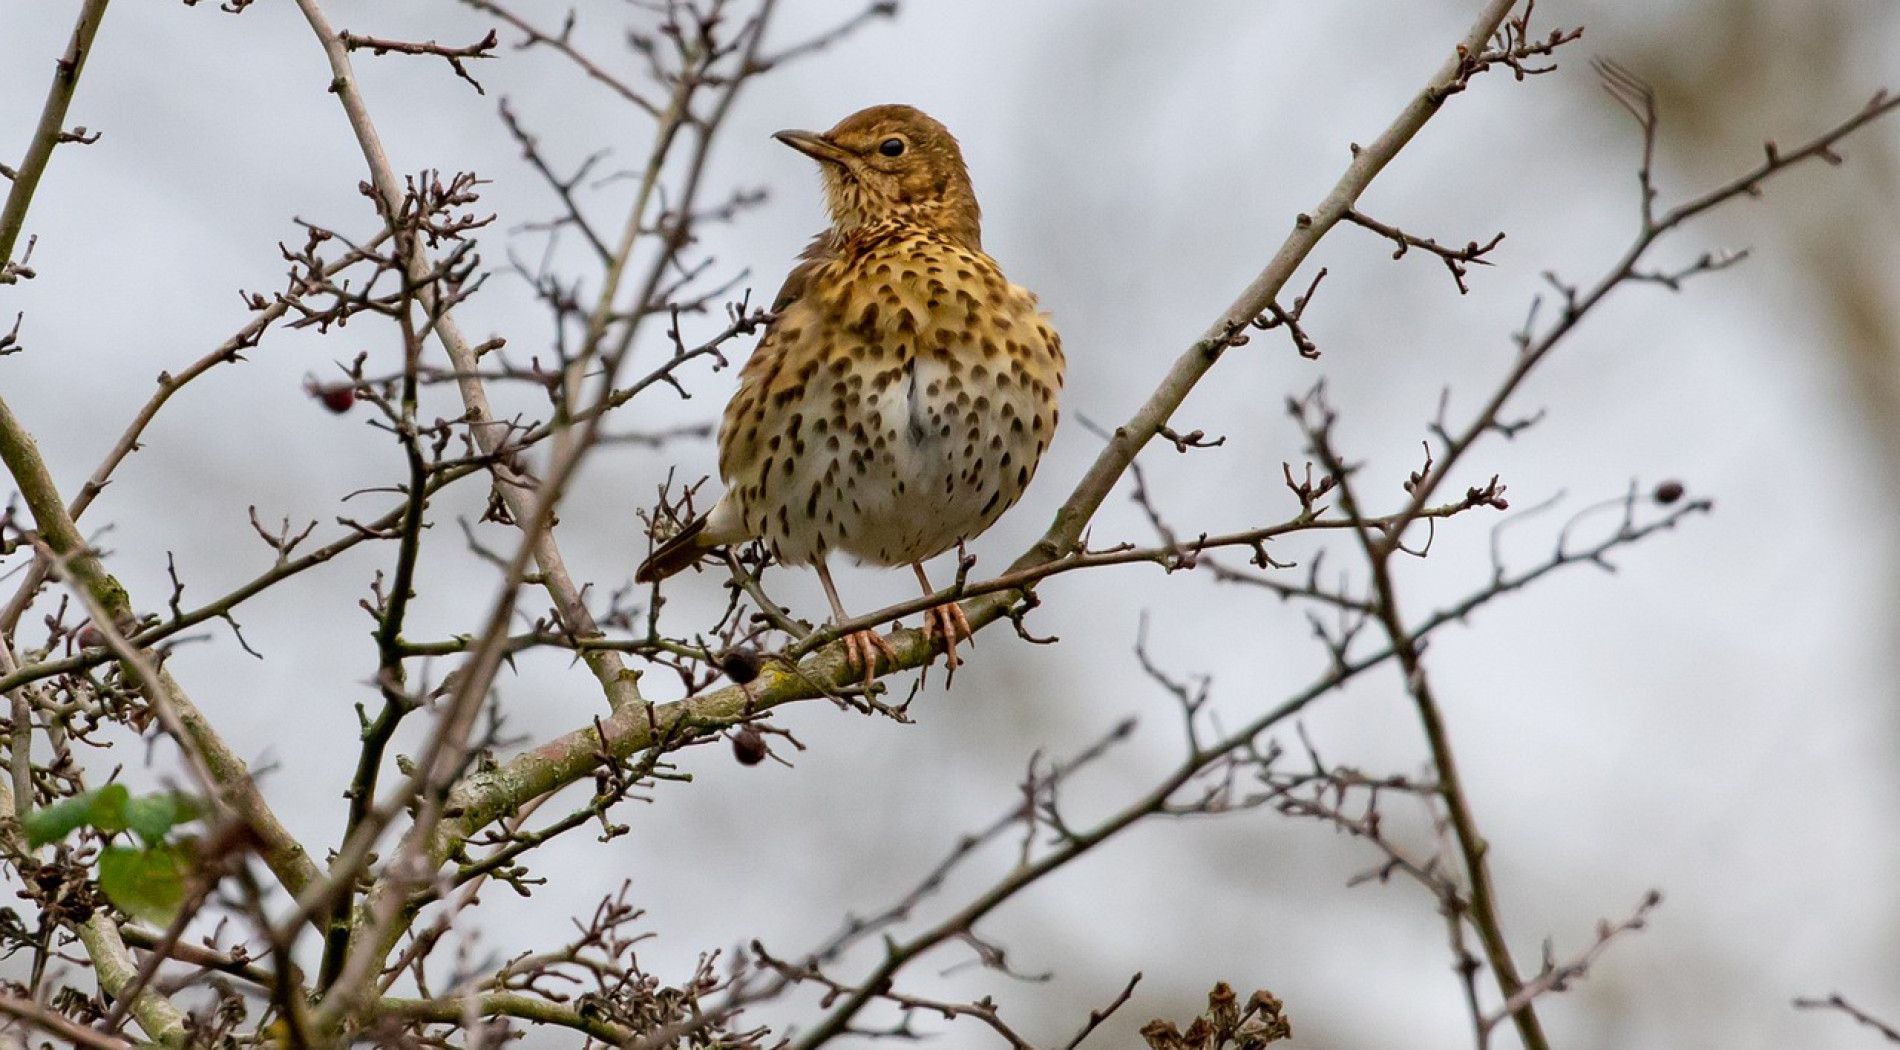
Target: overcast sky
<point>1715,720</point>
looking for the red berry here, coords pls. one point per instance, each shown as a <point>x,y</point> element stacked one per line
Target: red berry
<point>337,399</point>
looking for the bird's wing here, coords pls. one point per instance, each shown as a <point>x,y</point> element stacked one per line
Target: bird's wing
<point>770,385</point>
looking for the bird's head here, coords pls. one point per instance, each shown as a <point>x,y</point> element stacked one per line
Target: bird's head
<point>893,162</point>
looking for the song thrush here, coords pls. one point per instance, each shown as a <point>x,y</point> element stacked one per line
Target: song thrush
<point>904,391</point>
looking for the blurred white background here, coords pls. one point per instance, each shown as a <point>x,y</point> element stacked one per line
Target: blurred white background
<point>1717,720</point>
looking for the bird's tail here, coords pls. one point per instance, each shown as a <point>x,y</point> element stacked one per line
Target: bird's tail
<point>676,554</point>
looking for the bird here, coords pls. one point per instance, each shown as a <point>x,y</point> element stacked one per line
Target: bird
<point>903,391</point>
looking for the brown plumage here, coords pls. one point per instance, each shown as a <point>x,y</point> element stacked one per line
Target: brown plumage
<point>901,398</point>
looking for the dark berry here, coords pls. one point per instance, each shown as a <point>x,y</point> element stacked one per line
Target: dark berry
<point>740,663</point>
<point>748,746</point>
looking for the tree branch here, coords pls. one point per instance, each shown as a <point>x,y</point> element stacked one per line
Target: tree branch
<point>49,132</point>
<point>1257,298</point>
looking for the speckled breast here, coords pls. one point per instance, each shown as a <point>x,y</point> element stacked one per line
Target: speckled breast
<point>912,393</point>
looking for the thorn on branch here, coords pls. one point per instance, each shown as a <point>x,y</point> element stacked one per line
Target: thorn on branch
<point>482,48</point>
<point>1457,260</point>
<point>1278,316</point>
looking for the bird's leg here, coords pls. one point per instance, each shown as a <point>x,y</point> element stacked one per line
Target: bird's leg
<point>861,647</point>
<point>944,621</point>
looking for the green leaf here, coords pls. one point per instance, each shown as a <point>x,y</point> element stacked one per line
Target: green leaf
<point>103,808</point>
<point>146,883</point>
<point>108,808</point>
<point>55,822</point>
<point>153,816</point>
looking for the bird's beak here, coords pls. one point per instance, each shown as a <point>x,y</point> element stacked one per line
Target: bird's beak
<point>813,145</point>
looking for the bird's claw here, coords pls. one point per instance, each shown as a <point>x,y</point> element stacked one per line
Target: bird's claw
<point>946,623</point>
<point>861,650</point>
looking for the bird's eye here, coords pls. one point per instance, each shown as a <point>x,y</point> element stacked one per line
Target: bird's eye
<point>891,147</point>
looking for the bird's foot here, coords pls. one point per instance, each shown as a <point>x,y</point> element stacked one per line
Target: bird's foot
<point>861,650</point>
<point>946,623</point>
